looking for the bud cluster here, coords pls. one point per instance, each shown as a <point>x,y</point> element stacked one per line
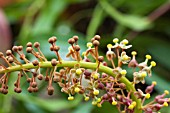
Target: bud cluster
<point>97,83</point>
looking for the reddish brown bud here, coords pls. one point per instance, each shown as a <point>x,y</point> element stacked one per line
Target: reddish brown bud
<point>34,84</point>
<point>20,48</point>
<point>54,38</point>
<point>97,37</point>
<point>50,90</point>
<point>8,52</point>
<point>56,48</point>
<point>96,43</point>
<point>15,48</point>
<point>36,44</point>
<point>75,38</point>
<point>29,80</point>
<point>77,47</point>
<point>51,40</point>
<point>81,91</point>
<point>35,89</point>
<point>87,74</point>
<point>18,90</point>
<point>35,74</point>
<point>30,89</point>
<point>10,59</point>
<point>149,89</point>
<point>62,71</point>
<point>56,79</point>
<point>40,77</point>
<point>100,58</point>
<point>51,48</point>
<point>105,97</point>
<point>29,44</point>
<point>105,63</point>
<point>47,78</point>
<point>71,41</point>
<point>53,62</point>
<point>35,62</point>
<point>29,49</point>
<point>5,91</point>
<point>122,85</point>
<point>92,40</point>
<point>101,85</point>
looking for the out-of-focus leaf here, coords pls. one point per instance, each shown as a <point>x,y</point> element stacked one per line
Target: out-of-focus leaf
<point>29,17</point>
<point>96,20</point>
<point>33,109</point>
<point>106,108</point>
<point>76,1</point>
<point>49,104</point>
<point>16,10</point>
<point>48,16</point>
<point>6,103</point>
<point>134,22</point>
<point>162,54</point>
<point>84,108</point>
<point>135,6</point>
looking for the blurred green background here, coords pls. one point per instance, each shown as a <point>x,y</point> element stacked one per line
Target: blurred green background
<point>146,23</point>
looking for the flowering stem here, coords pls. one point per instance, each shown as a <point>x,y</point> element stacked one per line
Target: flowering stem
<point>88,65</point>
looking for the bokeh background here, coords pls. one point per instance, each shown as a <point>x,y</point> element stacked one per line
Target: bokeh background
<point>146,23</point>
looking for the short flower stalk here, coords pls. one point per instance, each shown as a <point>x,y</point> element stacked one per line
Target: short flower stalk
<point>92,78</point>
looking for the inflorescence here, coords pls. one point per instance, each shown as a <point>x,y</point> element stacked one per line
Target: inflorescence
<point>88,75</point>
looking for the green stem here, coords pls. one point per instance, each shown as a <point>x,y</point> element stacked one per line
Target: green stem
<point>82,64</point>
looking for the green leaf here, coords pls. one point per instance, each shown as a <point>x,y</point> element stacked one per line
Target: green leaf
<point>84,108</point>
<point>134,22</point>
<point>161,54</point>
<point>48,16</point>
<point>106,108</point>
<point>49,104</point>
<point>15,15</point>
<point>97,18</point>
